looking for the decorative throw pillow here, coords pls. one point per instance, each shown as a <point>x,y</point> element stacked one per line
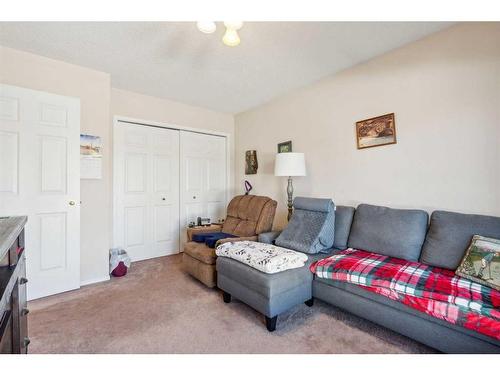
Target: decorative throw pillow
<point>481,262</point>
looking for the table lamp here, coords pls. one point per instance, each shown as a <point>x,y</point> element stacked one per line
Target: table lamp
<point>290,164</point>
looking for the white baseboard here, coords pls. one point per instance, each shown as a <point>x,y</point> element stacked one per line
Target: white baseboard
<point>96,280</point>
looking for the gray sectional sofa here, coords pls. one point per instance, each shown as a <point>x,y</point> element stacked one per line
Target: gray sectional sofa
<point>405,234</point>
<point>399,233</point>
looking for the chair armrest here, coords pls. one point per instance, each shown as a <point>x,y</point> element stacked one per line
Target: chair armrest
<point>197,230</point>
<point>269,237</point>
<point>235,239</point>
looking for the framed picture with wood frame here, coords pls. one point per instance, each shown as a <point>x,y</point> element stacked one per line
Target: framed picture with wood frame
<point>376,131</point>
<point>285,147</point>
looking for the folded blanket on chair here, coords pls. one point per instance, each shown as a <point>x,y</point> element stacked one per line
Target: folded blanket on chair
<point>264,257</point>
<point>210,239</point>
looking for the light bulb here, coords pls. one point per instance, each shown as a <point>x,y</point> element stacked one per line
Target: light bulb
<point>235,25</point>
<point>207,27</point>
<point>231,38</point>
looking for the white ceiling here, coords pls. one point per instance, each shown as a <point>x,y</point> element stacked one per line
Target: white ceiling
<point>175,61</point>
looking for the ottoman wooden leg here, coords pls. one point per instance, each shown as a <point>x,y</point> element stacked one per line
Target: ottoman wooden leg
<point>226,297</point>
<point>309,302</point>
<point>271,323</point>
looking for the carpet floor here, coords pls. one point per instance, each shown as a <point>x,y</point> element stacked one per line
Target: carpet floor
<point>157,308</point>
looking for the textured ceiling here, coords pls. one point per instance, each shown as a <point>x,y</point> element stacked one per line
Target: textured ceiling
<point>175,61</point>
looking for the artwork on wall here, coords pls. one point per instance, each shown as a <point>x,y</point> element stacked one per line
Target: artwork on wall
<point>90,157</point>
<point>285,147</point>
<point>376,131</point>
<point>251,163</point>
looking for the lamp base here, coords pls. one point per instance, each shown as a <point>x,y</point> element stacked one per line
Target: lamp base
<point>289,191</point>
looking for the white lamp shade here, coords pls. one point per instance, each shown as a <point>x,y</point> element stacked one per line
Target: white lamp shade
<point>290,164</point>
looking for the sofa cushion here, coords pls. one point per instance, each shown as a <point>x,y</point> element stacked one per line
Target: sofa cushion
<point>450,234</point>
<point>394,232</point>
<point>201,252</point>
<point>343,221</point>
<point>311,228</point>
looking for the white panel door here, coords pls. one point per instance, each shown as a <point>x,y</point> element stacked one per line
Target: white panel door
<point>203,178</point>
<point>40,178</point>
<point>146,190</point>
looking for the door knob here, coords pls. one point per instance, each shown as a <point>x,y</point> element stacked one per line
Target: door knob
<point>194,196</point>
<point>72,203</point>
<point>163,199</point>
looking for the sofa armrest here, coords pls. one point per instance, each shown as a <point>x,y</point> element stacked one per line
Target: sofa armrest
<point>235,239</point>
<point>197,230</point>
<point>269,237</point>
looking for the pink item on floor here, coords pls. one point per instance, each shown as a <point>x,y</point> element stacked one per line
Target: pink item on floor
<point>120,270</point>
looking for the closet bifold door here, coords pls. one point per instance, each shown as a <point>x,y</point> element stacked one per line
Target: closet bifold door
<point>146,190</point>
<point>203,175</point>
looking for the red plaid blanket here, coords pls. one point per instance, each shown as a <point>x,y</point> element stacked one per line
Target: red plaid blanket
<point>435,291</point>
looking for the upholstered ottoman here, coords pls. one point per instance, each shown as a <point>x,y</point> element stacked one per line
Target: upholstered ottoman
<point>310,231</point>
<point>269,294</point>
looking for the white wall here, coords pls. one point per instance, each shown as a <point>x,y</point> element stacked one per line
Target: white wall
<point>99,102</point>
<point>445,92</point>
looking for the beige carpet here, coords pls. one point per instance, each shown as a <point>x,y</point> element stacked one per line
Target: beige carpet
<point>156,308</point>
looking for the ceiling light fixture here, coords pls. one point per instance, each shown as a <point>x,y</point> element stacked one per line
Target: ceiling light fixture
<point>231,38</point>
<point>207,27</point>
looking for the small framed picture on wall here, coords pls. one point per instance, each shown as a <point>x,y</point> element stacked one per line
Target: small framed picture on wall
<point>376,131</point>
<point>285,147</point>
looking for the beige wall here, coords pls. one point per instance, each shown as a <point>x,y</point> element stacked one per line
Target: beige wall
<point>139,106</point>
<point>99,102</point>
<point>445,92</point>
<point>93,88</point>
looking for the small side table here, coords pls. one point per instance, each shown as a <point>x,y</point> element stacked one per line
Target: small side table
<point>203,229</point>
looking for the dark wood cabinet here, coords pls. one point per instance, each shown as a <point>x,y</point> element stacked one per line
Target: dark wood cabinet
<point>13,303</point>
<point>6,336</point>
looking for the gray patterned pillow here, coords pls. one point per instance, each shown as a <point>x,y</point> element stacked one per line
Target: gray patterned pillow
<point>311,228</point>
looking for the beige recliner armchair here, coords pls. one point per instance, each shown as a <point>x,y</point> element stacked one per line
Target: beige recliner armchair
<point>247,216</point>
